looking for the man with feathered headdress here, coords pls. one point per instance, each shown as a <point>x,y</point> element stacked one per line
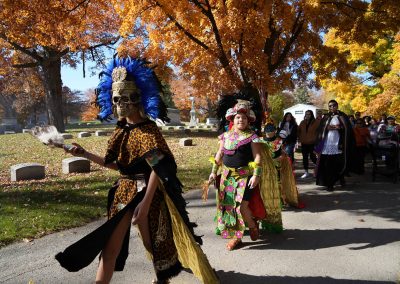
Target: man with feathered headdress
<point>147,193</point>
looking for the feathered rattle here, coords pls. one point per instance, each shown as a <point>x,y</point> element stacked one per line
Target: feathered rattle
<point>49,136</point>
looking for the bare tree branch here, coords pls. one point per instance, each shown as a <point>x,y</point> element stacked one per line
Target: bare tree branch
<point>32,54</point>
<point>181,28</point>
<point>78,5</point>
<point>296,30</point>
<point>26,65</point>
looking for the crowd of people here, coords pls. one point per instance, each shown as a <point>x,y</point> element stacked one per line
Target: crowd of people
<point>335,142</point>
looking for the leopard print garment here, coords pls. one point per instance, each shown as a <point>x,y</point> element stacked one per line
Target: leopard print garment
<point>128,146</point>
<point>130,143</point>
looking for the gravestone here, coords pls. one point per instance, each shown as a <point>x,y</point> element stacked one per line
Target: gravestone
<point>9,132</point>
<point>27,171</point>
<point>75,165</point>
<point>26,130</point>
<point>66,135</point>
<point>101,133</point>
<point>84,134</point>
<point>174,116</point>
<point>212,121</point>
<point>185,142</point>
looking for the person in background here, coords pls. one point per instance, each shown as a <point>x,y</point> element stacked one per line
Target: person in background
<point>357,115</point>
<point>391,125</point>
<point>362,137</point>
<point>289,124</point>
<point>334,145</point>
<point>373,130</point>
<point>307,134</point>
<point>319,115</point>
<point>367,120</point>
<point>352,120</point>
<point>383,119</point>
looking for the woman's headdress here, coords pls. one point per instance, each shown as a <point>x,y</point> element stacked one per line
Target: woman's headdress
<point>246,101</point>
<point>133,75</point>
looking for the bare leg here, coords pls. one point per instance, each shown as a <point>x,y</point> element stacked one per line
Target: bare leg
<point>112,249</point>
<point>246,213</point>
<point>145,233</point>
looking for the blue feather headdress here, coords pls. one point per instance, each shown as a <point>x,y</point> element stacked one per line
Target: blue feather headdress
<point>144,78</point>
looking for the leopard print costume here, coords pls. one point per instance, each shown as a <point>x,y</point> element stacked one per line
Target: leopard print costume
<point>128,146</point>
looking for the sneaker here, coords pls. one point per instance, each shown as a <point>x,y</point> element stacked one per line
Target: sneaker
<point>306,175</point>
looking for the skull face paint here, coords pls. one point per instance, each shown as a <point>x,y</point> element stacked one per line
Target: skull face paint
<point>125,94</point>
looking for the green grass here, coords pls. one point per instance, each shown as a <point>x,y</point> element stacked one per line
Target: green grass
<point>30,209</point>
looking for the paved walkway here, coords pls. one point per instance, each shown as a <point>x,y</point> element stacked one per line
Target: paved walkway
<point>349,236</point>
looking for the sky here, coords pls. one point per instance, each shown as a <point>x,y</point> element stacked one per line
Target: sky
<point>73,78</point>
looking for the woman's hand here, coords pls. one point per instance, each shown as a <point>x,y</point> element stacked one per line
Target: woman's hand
<point>254,181</point>
<point>75,150</point>
<point>212,178</point>
<point>140,213</point>
<point>333,127</point>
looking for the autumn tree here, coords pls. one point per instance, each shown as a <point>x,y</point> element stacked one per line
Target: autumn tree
<point>25,90</point>
<point>222,46</point>
<point>52,33</point>
<point>360,65</point>
<point>73,103</point>
<point>90,110</point>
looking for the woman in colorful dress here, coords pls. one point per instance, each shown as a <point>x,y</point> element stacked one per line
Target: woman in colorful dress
<point>147,193</point>
<point>283,165</point>
<point>243,162</point>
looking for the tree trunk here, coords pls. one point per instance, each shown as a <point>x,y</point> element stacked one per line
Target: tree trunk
<point>51,69</point>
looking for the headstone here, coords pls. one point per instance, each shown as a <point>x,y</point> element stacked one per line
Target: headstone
<point>212,121</point>
<point>185,142</point>
<point>26,130</point>
<point>174,116</point>
<point>9,132</point>
<point>27,171</point>
<point>101,133</point>
<point>66,135</point>
<point>84,134</point>
<point>75,165</point>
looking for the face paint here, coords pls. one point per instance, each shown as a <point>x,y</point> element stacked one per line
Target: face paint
<point>125,94</point>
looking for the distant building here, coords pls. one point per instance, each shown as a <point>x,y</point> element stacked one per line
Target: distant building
<point>298,111</point>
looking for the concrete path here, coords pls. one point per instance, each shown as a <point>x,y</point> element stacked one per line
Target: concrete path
<point>349,236</point>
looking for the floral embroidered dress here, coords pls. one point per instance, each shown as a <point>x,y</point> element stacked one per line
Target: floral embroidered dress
<point>234,178</point>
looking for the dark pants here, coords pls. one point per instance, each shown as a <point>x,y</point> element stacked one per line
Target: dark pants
<point>330,170</point>
<point>308,150</point>
<point>359,159</point>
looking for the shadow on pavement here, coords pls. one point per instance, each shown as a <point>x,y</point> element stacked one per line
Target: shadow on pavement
<point>232,277</point>
<point>363,199</point>
<point>356,239</point>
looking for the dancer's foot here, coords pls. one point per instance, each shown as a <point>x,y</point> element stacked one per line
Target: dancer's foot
<point>330,188</point>
<point>342,182</point>
<point>232,244</point>
<point>254,233</point>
